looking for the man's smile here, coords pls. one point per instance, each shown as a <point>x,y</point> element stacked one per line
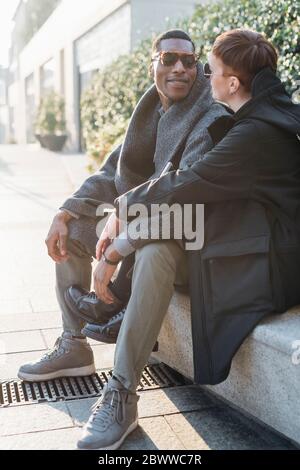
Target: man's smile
<point>177,82</point>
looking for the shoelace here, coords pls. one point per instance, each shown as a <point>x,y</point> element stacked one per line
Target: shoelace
<point>105,411</point>
<point>118,315</point>
<point>54,351</point>
<point>91,295</point>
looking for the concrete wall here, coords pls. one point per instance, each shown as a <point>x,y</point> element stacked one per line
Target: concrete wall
<point>81,36</point>
<point>3,106</point>
<point>67,23</point>
<point>156,16</point>
<point>105,41</point>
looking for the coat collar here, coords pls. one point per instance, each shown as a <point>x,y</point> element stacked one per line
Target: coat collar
<point>264,84</point>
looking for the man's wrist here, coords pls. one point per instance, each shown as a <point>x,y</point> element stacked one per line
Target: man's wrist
<point>64,215</point>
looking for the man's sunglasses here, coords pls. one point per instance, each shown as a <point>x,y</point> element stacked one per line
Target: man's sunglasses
<point>188,59</point>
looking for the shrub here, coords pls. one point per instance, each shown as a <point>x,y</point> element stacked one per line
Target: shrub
<point>109,101</point>
<point>50,118</point>
<point>279,20</point>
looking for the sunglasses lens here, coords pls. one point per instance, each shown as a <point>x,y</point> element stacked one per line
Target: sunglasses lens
<point>169,58</point>
<point>188,61</point>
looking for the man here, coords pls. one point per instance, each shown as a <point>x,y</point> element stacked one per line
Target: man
<point>170,122</point>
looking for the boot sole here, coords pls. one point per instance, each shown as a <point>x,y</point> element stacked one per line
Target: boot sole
<point>82,316</point>
<point>104,339</point>
<point>98,336</point>
<point>76,372</point>
<point>117,444</point>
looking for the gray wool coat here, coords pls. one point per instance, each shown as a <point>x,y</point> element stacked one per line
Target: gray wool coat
<point>152,139</point>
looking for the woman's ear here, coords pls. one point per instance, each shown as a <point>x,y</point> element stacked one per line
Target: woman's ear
<point>234,85</point>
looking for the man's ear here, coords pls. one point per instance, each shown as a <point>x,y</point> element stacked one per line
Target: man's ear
<point>151,70</point>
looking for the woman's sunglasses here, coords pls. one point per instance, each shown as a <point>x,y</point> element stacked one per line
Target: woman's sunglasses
<point>188,60</point>
<point>207,70</point>
<point>208,73</point>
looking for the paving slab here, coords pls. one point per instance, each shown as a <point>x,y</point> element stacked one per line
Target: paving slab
<point>22,341</point>
<point>152,403</point>
<point>10,363</point>
<point>30,321</point>
<point>174,418</point>
<point>221,429</point>
<point>153,434</point>
<point>36,417</point>
<point>59,439</point>
<point>15,306</point>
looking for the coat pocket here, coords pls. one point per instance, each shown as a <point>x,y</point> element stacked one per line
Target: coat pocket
<point>237,276</point>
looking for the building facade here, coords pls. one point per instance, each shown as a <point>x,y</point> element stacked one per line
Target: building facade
<point>4,110</point>
<point>79,38</point>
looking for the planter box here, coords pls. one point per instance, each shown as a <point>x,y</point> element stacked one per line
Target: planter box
<point>53,142</point>
<point>39,139</point>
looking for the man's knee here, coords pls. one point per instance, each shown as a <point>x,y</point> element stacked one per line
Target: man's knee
<point>82,237</point>
<point>77,248</point>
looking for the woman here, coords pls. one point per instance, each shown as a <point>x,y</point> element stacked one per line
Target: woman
<point>250,185</point>
<point>249,265</point>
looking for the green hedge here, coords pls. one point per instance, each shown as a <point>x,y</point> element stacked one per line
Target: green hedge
<point>110,99</point>
<point>279,20</point>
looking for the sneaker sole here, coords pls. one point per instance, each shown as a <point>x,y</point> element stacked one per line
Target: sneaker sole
<point>117,444</point>
<point>76,372</point>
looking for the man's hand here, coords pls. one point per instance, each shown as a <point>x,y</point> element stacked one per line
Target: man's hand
<point>103,274</point>
<point>56,240</point>
<point>110,231</point>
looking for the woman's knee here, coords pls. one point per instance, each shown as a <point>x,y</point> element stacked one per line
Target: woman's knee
<point>166,253</point>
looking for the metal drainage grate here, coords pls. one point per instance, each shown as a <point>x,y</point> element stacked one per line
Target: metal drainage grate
<point>17,392</point>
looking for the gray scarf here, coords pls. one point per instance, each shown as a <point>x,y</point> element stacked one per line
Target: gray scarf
<point>151,141</point>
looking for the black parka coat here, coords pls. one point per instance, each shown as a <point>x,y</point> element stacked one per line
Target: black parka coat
<point>249,265</point>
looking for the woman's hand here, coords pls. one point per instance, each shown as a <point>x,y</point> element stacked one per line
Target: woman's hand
<point>110,231</point>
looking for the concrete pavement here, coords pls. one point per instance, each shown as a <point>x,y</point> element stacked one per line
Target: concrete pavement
<point>33,184</point>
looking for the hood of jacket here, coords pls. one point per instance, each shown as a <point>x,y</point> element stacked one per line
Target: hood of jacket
<point>271,103</point>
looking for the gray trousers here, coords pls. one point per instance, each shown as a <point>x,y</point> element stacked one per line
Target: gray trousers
<point>158,267</point>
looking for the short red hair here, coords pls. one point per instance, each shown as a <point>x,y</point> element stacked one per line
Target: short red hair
<point>246,52</point>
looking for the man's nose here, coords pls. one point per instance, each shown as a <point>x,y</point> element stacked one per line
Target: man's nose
<point>178,66</point>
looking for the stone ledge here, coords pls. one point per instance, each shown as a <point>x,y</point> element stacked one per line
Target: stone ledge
<point>263,381</point>
<point>175,340</point>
